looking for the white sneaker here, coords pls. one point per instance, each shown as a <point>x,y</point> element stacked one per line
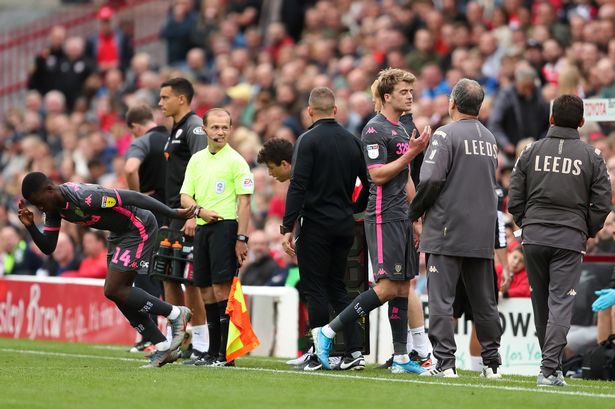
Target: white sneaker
<point>438,373</point>
<point>302,359</point>
<point>490,373</point>
<point>551,380</point>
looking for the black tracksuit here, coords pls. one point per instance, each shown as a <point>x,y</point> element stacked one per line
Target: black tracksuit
<point>326,163</point>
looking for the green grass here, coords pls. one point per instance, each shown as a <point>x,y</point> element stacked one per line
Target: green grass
<point>35,374</point>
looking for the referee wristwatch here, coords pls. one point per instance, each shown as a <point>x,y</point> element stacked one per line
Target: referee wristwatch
<point>242,237</point>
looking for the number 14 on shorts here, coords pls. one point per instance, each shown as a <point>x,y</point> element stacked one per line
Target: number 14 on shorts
<point>124,257</point>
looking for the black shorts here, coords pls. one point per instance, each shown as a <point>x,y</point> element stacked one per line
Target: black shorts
<point>132,251</point>
<point>215,260</point>
<point>391,250</point>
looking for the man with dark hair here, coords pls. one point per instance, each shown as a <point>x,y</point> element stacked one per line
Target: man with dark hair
<point>219,182</point>
<point>187,138</point>
<point>277,154</point>
<point>456,198</point>
<point>146,173</point>
<point>128,216</point>
<point>560,195</point>
<point>388,153</point>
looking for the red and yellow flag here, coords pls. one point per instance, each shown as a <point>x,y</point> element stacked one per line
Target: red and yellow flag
<point>241,337</point>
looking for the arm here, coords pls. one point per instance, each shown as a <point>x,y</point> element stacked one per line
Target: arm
<point>361,203</point>
<point>47,240</point>
<point>433,175</point>
<point>196,139</point>
<point>303,162</point>
<point>131,168</point>
<point>142,201</point>
<point>502,256</point>
<point>243,218</point>
<point>383,174</point>
<point>599,198</point>
<point>517,190</point>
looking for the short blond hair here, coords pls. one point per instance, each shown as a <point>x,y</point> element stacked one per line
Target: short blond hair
<point>376,98</point>
<point>388,78</point>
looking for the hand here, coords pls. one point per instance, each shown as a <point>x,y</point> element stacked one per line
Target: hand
<point>418,145</point>
<point>288,244</point>
<point>510,149</point>
<point>210,216</point>
<point>189,227</point>
<point>25,215</point>
<point>506,280</point>
<point>186,213</point>
<point>241,251</point>
<point>606,299</point>
<point>417,230</point>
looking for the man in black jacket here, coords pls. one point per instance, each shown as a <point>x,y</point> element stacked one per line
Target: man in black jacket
<point>325,166</point>
<point>560,195</point>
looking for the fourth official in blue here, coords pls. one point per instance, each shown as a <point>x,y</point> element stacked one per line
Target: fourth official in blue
<point>559,195</point>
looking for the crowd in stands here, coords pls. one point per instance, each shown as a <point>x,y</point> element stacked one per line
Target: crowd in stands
<point>260,63</point>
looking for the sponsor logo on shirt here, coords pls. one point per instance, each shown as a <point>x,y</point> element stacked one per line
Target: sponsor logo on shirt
<point>198,131</point>
<point>107,202</point>
<point>247,183</point>
<point>372,151</point>
<point>220,185</point>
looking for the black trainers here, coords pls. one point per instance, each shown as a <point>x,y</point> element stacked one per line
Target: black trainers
<point>194,357</point>
<point>140,346</point>
<point>348,363</point>
<point>205,360</point>
<point>387,364</point>
<point>220,362</point>
<point>424,361</point>
<point>312,364</point>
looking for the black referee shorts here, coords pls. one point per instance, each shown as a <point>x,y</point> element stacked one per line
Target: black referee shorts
<point>215,260</point>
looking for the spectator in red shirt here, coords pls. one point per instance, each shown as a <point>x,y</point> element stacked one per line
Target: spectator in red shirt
<point>94,265</point>
<point>519,286</point>
<point>110,48</point>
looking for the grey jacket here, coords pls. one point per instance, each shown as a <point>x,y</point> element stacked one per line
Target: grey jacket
<point>456,192</point>
<point>560,181</point>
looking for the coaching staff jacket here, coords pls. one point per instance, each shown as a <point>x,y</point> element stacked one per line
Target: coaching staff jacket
<point>560,181</point>
<point>326,163</point>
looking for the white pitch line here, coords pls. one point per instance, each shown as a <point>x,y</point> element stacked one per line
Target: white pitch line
<point>442,382</point>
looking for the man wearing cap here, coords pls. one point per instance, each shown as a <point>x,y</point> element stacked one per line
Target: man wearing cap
<point>109,48</point>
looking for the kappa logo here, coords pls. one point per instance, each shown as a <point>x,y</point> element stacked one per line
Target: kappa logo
<point>572,292</point>
<point>381,272</point>
<point>434,143</point>
<point>433,269</point>
<point>371,130</point>
<point>88,200</point>
<point>372,151</point>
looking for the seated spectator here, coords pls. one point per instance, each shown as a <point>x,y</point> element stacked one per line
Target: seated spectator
<point>519,285</point>
<point>262,268</point>
<point>94,264</point>
<point>16,256</point>
<point>64,258</point>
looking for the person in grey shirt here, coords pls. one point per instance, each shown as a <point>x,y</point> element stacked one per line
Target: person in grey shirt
<point>560,195</point>
<point>456,198</point>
